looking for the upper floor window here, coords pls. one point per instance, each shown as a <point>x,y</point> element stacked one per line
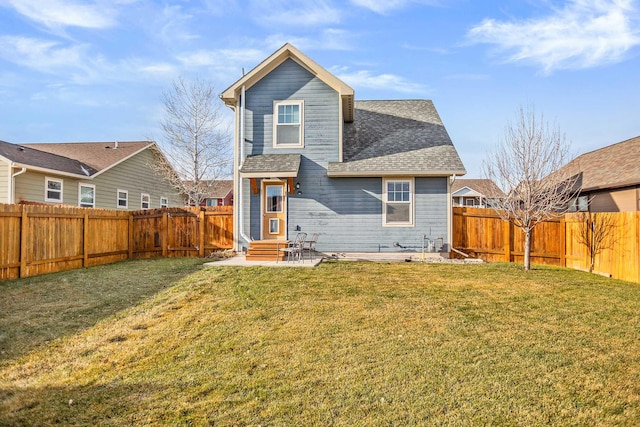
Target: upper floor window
<point>53,190</point>
<point>164,202</point>
<point>86,195</point>
<point>398,202</point>
<point>288,124</point>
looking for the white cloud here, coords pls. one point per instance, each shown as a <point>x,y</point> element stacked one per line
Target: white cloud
<point>42,55</point>
<point>65,13</point>
<point>383,7</point>
<point>294,13</point>
<point>388,82</point>
<point>583,34</point>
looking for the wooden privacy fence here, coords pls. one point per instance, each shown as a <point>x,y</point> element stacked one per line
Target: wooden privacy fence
<point>37,239</point>
<point>481,233</point>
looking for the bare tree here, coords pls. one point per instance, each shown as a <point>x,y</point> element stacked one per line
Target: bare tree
<point>596,233</point>
<point>528,166</point>
<point>196,139</point>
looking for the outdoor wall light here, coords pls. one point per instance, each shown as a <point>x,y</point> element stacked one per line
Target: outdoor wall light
<point>297,185</point>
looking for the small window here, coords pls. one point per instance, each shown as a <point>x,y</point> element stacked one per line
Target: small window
<point>86,195</point>
<point>579,204</point>
<point>123,199</point>
<point>53,190</point>
<point>470,202</point>
<point>145,201</point>
<point>288,124</point>
<point>274,226</point>
<point>164,202</point>
<point>398,202</point>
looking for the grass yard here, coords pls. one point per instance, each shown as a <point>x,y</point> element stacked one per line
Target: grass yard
<point>344,344</point>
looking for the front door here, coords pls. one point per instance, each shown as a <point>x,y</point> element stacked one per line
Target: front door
<point>274,210</point>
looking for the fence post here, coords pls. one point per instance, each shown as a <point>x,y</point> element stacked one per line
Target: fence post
<point>24,228</point>
<point>202,226</point>
<point>130,235</point>
<point>85,237</point>
<point>165,234</point>
<point>637,245</point>
<point>563,242</point>
<point>507,240</point>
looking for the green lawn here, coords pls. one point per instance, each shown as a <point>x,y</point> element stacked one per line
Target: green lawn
<point>344,344</point>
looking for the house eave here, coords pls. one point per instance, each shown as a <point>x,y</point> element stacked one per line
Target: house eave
<point>386,173</point>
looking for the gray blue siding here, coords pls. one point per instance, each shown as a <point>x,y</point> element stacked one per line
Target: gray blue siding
<point>346,211</point>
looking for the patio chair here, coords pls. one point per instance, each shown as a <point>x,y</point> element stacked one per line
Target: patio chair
<point>293,249</point>
<point>310,246</point>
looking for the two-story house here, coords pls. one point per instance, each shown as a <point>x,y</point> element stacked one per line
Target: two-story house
<point>369,176</point>
<point>108,175</point>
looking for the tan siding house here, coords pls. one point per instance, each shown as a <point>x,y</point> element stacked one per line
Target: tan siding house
<point>101,175</point>
<point>609,177</point>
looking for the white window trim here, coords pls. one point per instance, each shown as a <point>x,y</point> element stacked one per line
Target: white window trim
<point>46,189</point>
<point>275,123</point>
<point>82,184</point>
<point>142,197</point>
<point>126,199</point>
<point>411,222</point>
<point>164,202</point>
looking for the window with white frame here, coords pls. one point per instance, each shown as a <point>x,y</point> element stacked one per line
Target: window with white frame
<point>53,190</point>
<point>164,202</point>
<point>145,201</point>
<point>288,129</point>
<point>122,199</point>
<point>397,202</point>
<point>86,195</point>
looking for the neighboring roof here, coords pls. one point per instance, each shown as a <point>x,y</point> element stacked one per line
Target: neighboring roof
<point>484,187</point>
<point>405,137</point>
<point>217,189</point>
<point>614,166</point>
<point>98,155</point>
<point>271,166</point>
<point>231,95</point>
<point>24,155</point>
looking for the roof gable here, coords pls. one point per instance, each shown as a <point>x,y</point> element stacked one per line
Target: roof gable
<point>231,95</point>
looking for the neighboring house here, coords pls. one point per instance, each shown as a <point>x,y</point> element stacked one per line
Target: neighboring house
<point>110,175</point>
<point>609,177</point>
<point>478,193</point>
<point>220,193</point>
<point>370,176</point>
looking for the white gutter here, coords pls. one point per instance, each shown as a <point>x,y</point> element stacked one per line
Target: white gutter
<point>12,187</point>
<point>239,178</point>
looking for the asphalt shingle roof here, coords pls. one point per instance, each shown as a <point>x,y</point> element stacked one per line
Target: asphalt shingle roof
<point>486,187</point>
<point>285,164</point>
<point>614,166</point>
<point>397,137</point>
<point>25,155</point>
<point>98,155</point>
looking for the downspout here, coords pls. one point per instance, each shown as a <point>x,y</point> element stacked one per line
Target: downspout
<point>12,189</point>
<point>240,179</point>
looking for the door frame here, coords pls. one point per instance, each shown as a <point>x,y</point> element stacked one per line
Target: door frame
<point>263,193</point>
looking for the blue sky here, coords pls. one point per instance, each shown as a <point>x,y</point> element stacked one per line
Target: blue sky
<point>75,70</point>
